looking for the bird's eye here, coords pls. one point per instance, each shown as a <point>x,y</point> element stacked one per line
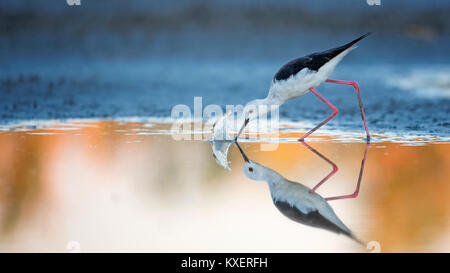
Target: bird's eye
<point>250,169</point>
<point>251,111</point>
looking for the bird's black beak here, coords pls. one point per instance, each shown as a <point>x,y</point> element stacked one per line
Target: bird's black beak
<point>242,153</point>
<point>242,129</point>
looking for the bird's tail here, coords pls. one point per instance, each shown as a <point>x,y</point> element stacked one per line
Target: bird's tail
<point>341,51</point>
<point>356,239</point>
<point>352,43</point>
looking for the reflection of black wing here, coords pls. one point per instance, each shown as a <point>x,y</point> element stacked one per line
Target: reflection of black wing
<point>312,61</point>
<point>314,218</point>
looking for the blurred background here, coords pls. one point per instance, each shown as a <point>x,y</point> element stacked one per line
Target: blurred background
<point>108,59</point>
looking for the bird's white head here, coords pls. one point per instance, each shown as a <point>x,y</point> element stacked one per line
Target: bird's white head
<point>253,170</point>
<point>255,109</point>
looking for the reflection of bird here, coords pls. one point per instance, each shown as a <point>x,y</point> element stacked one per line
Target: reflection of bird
<point>220,152</point>
<point>221,141</point>
<point>335,169</point>
<point>295,200</point>
<point>298,77</point>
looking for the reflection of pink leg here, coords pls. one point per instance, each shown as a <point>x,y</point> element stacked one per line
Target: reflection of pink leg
<point>356,192</point>
<point>335,168</point>
<point>355,85</point>
<point>335,112</point>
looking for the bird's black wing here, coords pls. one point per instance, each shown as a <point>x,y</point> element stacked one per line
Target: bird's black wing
<point>292,68</point>
<point>314,218</point>
<point>312,61</point>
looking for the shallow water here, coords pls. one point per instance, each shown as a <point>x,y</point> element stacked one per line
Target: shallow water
<point>129,186</point>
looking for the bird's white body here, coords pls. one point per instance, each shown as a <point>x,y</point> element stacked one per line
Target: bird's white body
<point>300,197</point>
<point>299,84</point>
<point>295,194</point>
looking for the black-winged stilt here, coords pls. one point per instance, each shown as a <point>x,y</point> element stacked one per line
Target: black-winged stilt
<point>298,77</point>
<point>298,202</point>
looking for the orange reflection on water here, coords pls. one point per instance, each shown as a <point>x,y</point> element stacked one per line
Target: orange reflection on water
<point>115,186</point>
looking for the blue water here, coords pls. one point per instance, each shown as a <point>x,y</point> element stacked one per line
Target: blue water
<point>107,66</point>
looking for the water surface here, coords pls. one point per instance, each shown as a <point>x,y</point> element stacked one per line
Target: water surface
<point>128,186</point>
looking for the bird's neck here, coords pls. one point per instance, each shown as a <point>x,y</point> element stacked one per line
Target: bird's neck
<point>274,99</point>
<point>271,102</point>
<point>274,179</point>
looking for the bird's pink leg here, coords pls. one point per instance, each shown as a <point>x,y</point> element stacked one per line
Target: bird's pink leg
<point>356,192</point>
<point>335,112</point>
<point>335,168</point>
<point>355,85</point>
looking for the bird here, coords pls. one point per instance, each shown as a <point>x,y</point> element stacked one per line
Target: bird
<point>295,200</point>
<point>300,76</point>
